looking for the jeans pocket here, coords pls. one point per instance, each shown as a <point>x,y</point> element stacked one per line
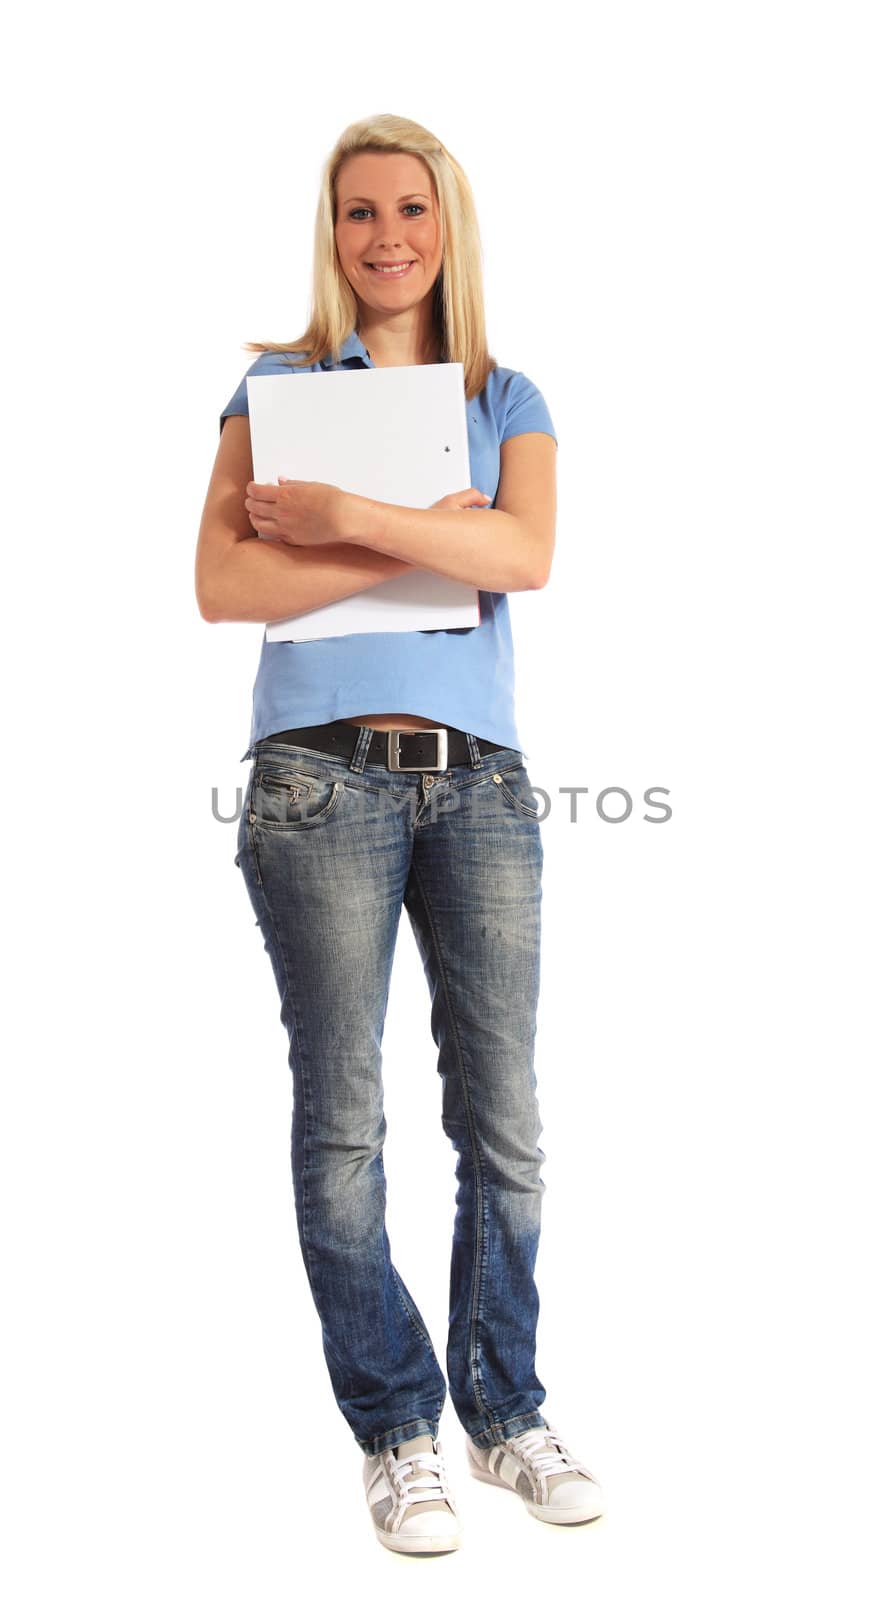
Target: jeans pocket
<point>284,799</point>
<point>517,792</point>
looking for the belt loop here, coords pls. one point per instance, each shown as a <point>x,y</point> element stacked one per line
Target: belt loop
<point>473,749</point>
<point>360,753</point>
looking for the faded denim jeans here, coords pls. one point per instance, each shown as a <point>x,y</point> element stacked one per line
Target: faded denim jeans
<point>330,849</point>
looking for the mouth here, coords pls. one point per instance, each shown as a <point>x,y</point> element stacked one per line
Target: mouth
<point>394,269</point>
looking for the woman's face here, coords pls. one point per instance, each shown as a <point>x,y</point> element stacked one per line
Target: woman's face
<point>387,213</point>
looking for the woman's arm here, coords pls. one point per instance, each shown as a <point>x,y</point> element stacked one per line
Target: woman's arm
<point>505,549</point>
<point>242,578</point>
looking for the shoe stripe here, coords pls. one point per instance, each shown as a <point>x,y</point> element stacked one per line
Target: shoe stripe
<point>380,1510</point>
<point>508,1468</point>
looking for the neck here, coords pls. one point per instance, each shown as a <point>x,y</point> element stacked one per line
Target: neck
<point>395,343</point>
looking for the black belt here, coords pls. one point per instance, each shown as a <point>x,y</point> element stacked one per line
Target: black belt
<point>401,750</point>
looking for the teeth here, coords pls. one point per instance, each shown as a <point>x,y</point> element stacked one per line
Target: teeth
<point>399,267</point>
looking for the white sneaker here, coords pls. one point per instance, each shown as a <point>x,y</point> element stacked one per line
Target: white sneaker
<point>409,1498</point>
<point>554,1486</point>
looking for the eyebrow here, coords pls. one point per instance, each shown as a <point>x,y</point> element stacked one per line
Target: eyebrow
<point>373,202</point>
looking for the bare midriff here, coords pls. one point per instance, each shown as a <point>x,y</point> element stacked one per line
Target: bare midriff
<point>385,720</point>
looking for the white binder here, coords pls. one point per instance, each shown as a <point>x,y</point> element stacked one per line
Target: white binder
<point>397,434</point>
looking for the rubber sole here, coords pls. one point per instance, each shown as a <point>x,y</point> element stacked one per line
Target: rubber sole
<point>418,1544</point>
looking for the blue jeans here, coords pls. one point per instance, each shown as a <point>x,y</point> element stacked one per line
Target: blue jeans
<point>330,849</point>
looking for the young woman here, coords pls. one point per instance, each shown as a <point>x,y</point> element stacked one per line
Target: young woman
<point>388,772</point>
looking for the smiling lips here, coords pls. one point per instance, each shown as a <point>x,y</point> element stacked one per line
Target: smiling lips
<point>394,269</point>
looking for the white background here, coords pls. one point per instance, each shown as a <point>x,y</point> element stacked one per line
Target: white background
<point>676,209</point>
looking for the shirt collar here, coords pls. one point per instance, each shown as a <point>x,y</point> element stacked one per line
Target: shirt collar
<point>352,346</point>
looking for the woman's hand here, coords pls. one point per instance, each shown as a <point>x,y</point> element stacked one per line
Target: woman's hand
<point>461,500</point>
<point>298,512</point>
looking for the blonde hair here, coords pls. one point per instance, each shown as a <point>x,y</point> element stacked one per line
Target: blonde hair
<point>457,306</point>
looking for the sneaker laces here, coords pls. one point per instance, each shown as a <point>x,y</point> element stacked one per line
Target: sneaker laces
<point>419,1477</point>
<point>543,1449</point>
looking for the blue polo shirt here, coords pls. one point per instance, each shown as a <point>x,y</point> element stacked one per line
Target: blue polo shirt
<point>458,677</point>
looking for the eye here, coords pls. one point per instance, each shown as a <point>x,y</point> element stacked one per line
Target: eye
<point>360,210</point>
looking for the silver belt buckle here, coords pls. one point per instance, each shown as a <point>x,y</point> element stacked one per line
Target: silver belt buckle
<point>393,747</point>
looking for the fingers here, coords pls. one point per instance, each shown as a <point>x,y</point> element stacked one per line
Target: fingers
<point>263,524</point>
<point>265,491</point>
<point>260,506</point>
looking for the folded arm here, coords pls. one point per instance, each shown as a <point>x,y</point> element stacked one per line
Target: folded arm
<point>504,549</point>
<point>242,578</point>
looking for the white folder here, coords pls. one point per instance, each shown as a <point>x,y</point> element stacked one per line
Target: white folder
<point>397,434</point>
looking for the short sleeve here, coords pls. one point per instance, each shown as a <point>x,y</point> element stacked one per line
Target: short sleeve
<point>238,405</point>
<point>527,410</point>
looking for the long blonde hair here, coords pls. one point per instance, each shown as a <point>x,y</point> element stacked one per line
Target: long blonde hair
<point>457,306</point>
